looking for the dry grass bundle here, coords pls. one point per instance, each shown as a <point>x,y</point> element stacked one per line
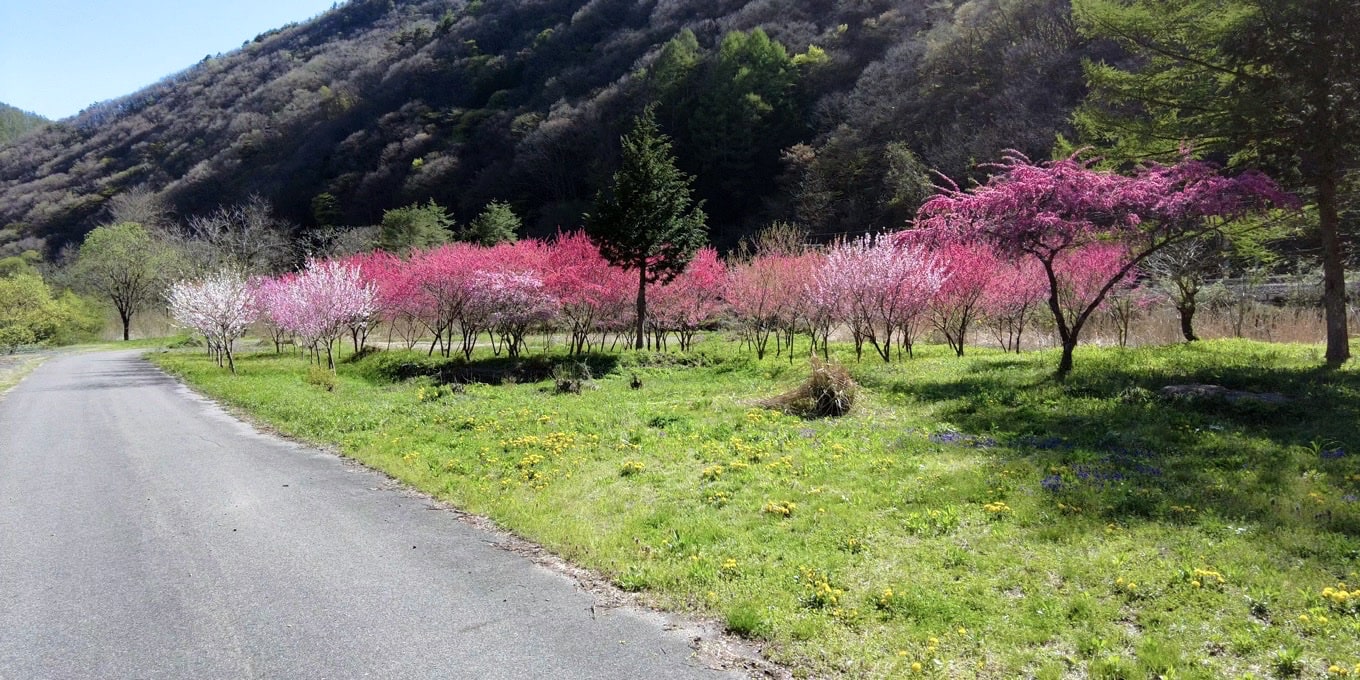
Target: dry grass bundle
<point>828,392</point>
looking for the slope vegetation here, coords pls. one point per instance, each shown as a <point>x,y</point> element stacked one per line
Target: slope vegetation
<point>831,114</point>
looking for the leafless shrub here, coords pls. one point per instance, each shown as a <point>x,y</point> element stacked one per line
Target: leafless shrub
<point>828,392</point>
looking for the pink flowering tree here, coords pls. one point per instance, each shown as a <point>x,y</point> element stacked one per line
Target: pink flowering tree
<point>1046,210</point>
<point>692,300</point>
<point>373,268</point>
<point>879,288</point>
<point>512,303</point>
<point>319,304</point>
<point>590,291</point>
<point>1016,290</point>
<point>753,294</point>
<point>219,306</point>
<point>970,269</point>
<point>440,293</point>
<point>819,304</point>
<point>400,303</point>
<point>793,309</point>
<point>841,296</point>
<point>269,292</point>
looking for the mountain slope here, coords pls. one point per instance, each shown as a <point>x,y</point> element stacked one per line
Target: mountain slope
<point>15,122</point>
<point>384,103</point>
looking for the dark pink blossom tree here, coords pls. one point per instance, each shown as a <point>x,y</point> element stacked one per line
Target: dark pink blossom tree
<point>1045,210</point>
<point>969,271</point>
<point>441,292</point>
<point>589,290</point>
<point>692,300</point>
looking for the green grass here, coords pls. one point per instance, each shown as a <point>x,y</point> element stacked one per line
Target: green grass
<point>15,367</point>
<point>969,518</point>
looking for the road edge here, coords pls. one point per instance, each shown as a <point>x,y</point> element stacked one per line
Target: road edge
<point>712,644</point>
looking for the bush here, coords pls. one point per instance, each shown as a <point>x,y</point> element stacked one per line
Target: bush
<point>321,377</point>
<point>828,392</point>
<point>569,377</point>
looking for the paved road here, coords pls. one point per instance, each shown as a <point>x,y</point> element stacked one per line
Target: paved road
<point>146,534</point>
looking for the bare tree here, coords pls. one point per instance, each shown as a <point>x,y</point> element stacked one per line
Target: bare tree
<point>245,236</point>
<point>1180,271</point>
<point>139,205</point>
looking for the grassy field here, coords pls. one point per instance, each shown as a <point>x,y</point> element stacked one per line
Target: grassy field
<point>969,518</point>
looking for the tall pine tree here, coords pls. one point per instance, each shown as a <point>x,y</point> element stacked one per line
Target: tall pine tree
<point>648,222</point>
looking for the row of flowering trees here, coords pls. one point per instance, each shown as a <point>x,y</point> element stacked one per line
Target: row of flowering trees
<point>883,292</point>
<point>1060,235</point>
<point>316,306</point>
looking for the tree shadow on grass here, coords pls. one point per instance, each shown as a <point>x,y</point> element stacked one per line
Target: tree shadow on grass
<point>1108,438</point>
<point>390,367</point>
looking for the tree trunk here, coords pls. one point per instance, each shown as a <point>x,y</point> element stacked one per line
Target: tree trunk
<point>1188,322</point>
<point>127,319</point>
<point>641,307</point>
<point>1065,364</point>
<point>1333,271</point>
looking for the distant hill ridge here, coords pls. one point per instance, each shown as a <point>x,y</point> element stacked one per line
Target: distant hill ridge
<point>381,104</point>
<point>15,122</point>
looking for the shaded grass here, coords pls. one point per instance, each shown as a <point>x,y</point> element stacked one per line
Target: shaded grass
<point>971,516</point>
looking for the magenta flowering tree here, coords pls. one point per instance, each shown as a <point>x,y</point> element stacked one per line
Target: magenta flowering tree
<point>219,306</point>
<point>439,295</point>
<point>590,291</point>
<point>1046,210</point>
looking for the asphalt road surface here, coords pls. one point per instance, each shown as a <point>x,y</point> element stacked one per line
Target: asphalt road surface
<point>144,533</point>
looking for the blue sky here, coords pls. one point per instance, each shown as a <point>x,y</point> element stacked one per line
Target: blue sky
<point>59,56</point>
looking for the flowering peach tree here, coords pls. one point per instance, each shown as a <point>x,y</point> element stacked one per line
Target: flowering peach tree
<point>1051,211</point>
<point>219,306</point>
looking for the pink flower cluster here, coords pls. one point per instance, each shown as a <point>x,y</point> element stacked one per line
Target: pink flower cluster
<point>1088,229</point>
<point>319,303</point>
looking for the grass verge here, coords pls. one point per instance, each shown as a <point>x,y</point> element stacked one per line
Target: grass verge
<point>14,367</point>
<point>969,518</point>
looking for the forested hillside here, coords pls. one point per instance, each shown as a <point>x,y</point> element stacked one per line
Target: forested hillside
<point>15,122</point>
<point>830,115</point>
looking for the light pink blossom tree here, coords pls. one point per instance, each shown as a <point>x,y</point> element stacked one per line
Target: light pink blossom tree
<point>512,303</point>
<point>319,304</point>
<point>879,288</point>
<point>219,306</point>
